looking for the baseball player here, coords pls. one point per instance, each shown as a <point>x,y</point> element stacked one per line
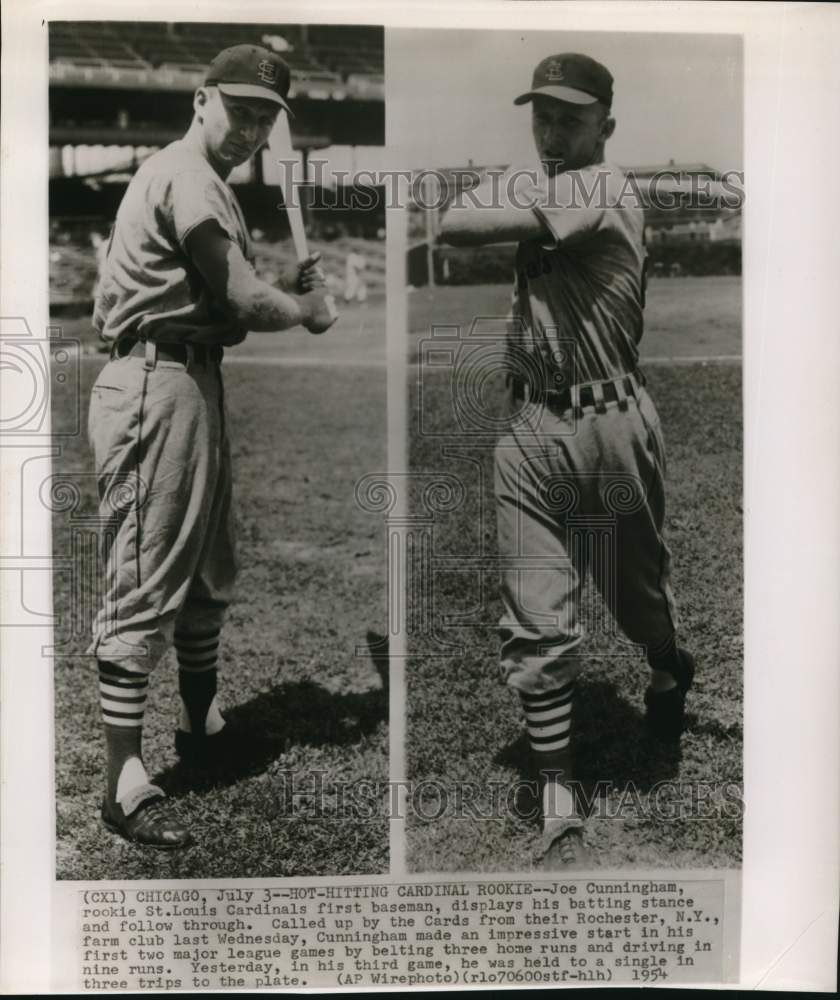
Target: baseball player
<point>579,474</point>
<point>355,286</point>
<point>178,288</point>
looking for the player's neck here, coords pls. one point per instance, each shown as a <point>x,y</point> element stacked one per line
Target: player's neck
<point>596,160</point>
<point>194,139</point>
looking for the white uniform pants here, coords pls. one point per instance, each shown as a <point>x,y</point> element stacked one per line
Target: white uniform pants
<point>164,480</point>
<point>578,496</point>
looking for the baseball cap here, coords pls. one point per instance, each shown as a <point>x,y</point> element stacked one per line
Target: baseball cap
<point>250,71</point>
<point>570,77</point>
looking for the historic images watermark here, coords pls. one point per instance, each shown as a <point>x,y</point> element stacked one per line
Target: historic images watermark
<point>430,800</point>
<point>432,189</point>
<point>31,367</point>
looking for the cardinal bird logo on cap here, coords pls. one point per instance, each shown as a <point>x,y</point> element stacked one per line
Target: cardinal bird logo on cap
<point>267,71</point>
<point>554,71</point>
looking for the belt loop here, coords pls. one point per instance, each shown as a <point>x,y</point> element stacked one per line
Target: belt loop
<point>635,384</point>
<point>574,399</point>
<point>190,352</point>
<point>151,356</point>
<point>621,387</point>
<point>520,389</point>
<point>598,397</point>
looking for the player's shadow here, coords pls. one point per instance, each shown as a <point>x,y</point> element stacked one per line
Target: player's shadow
<point>611,747</point>
<point>270,724</point>
<point>613,744</point>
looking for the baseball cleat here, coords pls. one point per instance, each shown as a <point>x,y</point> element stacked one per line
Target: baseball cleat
<point>665,710</point>
<point>563,847</point>
<point>567,852</point>
<point>147,822</point>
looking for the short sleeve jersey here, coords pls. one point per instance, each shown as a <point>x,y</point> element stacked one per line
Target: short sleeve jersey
<point>150,287</point>
<point>579,292</point>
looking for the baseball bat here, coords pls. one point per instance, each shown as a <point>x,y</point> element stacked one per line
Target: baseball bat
<point>280,143</point>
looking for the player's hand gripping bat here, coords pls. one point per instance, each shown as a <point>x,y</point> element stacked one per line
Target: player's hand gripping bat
<point>280,144</point>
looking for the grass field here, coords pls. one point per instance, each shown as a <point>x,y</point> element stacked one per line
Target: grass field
<point>684,317</point>
<point>465,729</point>
<point>311,590</point>
<point>307,420</point>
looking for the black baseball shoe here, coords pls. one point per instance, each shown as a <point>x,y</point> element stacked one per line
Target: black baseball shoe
<point>665,715</point>
<point>145,817</point>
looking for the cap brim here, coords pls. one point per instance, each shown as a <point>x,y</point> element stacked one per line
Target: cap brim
<point>568,94</point>
<point>253,90</point>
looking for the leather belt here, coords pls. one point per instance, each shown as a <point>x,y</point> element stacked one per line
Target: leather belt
<point>591,395</point>
<point>202,354</point>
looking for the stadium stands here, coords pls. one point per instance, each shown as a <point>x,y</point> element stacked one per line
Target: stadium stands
<point>73,268</point>
<point>93,44</point>
<point>317,53</point>
<point>329,45</point>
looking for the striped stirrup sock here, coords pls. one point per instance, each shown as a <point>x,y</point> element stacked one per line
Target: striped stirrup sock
<point>548,717</point>
<point>197,681</point>
<point>122,696</point>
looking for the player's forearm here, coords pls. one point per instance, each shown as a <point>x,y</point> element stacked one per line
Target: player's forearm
<point>258,306</point>
<point>476,225</point>
<point>249,302</point>
<point>498,213</point>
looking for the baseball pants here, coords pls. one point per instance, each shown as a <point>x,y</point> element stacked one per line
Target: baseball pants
<point>577,495</point>
<point>158,433</point>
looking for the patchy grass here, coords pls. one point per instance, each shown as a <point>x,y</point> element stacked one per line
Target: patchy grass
<point>464,727</point>
<point>311,590</point>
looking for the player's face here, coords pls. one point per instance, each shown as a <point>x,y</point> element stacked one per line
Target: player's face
<point>568,136</point>
<point>235,128</point>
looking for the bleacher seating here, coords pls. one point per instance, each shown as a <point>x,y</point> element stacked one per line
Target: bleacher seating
<point>326,53</point>
<point>339,59</point>
<point>91,43</point>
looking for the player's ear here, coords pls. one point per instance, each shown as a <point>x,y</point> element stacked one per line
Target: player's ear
<point>607,127</point>
<point>201,99</point>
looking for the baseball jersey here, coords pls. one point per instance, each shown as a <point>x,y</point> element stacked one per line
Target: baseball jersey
<point>579,293</point>
<point>150,287</point>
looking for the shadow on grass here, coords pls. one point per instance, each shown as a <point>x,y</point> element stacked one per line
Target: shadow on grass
<point>610,745</point>
<point>270,724</point>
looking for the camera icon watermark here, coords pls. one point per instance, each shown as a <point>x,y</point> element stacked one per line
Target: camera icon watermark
<point>477,382</point>
<point>31,369</point>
